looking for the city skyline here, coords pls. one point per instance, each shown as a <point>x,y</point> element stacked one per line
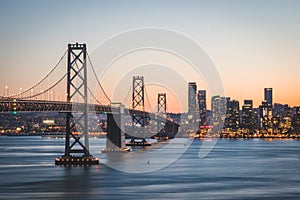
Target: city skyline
<point>160,99</point>
<point>253,44</point>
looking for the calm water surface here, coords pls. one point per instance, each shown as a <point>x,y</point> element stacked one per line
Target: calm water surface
<point>235,169</point>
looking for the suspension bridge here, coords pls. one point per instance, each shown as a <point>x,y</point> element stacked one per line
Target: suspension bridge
<point>79,100</point>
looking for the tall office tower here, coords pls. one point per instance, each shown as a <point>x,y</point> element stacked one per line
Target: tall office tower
<point>247,115</point>
<point>265,115</point>
<point>215,107</point>
<point>202,107</point>
<point>232,120</point>
<point>269,97</point>
<point>192,107</point>
<point>224,101</point>
<point>266,111</point>
<point>218,108</point>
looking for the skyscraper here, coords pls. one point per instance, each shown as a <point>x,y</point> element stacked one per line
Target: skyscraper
<point>202,107</point>
<point>266,111</point>
<point>218,108</point>
<point>265,114</point>
<point>192,91</point>
<point>269,97</point>
<point>232,120</point>
<point>215,107</point>
<point>247,115</point>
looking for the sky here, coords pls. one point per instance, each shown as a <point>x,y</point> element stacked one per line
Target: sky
<point>253,43</point>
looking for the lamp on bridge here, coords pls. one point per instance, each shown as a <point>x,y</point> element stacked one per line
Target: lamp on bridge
<point>6,91</point>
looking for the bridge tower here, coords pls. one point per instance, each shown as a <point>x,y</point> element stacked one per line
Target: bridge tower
<point>77,119</point>
<point>162,103</point>
<point>138,103</point>
<point>161,110</point>
<point>138,96</point>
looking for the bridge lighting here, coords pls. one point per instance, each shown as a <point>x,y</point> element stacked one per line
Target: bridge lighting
<point>6,89</point>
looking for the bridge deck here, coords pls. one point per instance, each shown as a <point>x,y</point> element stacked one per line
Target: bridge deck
<point>18,105</point>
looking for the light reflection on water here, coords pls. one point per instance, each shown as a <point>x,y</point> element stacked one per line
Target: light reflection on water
<point>235,169</point>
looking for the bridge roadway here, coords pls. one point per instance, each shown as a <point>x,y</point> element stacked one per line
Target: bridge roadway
<point>19,105</point>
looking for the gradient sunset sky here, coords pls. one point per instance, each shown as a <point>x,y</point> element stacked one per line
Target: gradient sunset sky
<point>253,43</point>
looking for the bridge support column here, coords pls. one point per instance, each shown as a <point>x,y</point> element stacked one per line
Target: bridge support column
<point>115,140</point>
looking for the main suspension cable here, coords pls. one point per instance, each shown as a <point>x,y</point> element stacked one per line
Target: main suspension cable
<point>38,83</point>
<point>97,79</point>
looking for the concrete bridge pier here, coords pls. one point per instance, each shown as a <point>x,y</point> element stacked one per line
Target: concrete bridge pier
<point>115,140</point>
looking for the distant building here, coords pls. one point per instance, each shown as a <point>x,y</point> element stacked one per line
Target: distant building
<point>269,96</point>
<point>218,109</point>
<point>232,121</point>
<point>278,110</point>
<point>192,107</point>
<point>282,110</point>
<point>215,107</point>
<point>248,116</point>
<point>296,121</point>
<point>282,117</point>
<point>256,117</point>
<point>266,111</point>
<point>266,117</point>
<point>285,124</point>
<point>48,121</point>
<point>202,107</point>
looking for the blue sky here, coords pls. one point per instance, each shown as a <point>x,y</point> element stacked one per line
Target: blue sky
<point>254,44</point>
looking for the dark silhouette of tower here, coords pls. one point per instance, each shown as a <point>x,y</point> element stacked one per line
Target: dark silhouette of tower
<point>247,115</point>
<point>269,96</point>
<point>192,108</point>
<point>138,99</point>
<point>202,107</point>
<point>162,103</point>
<point>232,120</point>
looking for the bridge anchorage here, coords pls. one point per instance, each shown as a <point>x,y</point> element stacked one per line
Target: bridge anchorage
<point>77,88</point>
